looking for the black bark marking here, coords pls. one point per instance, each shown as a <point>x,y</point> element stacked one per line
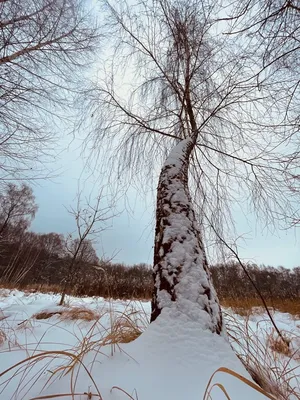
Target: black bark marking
<point>207,292</point>
<point>167,277</point>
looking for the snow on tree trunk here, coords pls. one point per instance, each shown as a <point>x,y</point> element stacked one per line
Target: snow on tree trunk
<point>181,276</point>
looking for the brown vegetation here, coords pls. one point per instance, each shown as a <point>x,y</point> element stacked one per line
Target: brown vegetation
<point>71,313</point>
<point>279,286</point>
<point>278,345</point>
<point>253,304</point>
<point>2,336</point>
<point>271,370</point>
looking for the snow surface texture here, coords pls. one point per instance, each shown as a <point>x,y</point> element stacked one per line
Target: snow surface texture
<point>182,278</point>
<point>173,359</point>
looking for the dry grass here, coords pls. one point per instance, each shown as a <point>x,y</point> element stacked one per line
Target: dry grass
<point>8,336</point>
<point>3,336</point>
<point>254,305</point>
<point>32,288</point>
<point>124,329</point>
<point>57,289</point>
<point>108,330</point>
<point>82,313</point>
<point>288,306</point>
<point>46,314</point>
<point>69,314</point>
<point>271,365</point>
<point>210,385</point>
<point>275,343</point>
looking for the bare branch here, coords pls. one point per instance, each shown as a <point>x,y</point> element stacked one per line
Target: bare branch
<point>45,47</point>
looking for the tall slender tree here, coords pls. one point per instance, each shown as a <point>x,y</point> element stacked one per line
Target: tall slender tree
<point>178,90</point>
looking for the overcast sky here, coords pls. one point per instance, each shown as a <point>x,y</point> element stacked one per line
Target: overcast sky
<point>131,232</point>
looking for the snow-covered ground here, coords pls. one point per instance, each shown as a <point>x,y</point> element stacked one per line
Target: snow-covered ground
<point>173,359</point>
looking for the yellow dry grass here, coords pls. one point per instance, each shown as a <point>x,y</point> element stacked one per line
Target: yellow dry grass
<point>273,369</point>
<point>254,305</point>
<point>82,313</point>
<point>275,343</point>
<point>124,329</point>
<point>210,385</point>
<point>69,314</point>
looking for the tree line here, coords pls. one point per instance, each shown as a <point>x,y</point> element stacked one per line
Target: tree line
<point>42,261</point>
<point>26,255</point>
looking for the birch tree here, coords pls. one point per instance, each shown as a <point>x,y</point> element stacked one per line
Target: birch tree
<point>180,100</point>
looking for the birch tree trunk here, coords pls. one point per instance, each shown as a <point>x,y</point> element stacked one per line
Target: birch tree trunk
<point>181,276</point>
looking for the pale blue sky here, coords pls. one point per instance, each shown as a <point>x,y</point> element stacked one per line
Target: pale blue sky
<point>131,233</point>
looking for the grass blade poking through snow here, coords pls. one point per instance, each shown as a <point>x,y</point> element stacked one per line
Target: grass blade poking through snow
<point>273,365</point>
<point>237,376</point>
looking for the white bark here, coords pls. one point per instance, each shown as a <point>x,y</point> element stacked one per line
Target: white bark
<point>181,274</point>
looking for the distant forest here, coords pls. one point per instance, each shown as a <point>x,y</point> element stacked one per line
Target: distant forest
<point>37,263</point>
<point>42,262</point>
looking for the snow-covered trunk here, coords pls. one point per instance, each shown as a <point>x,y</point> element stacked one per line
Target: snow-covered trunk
<point>181,276</point>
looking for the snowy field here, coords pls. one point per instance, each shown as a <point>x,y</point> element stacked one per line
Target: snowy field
<point>173,359</point>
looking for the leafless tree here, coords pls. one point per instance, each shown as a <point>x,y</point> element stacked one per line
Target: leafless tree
<point>23,260</point>
<point>45,45</point>
<point>52,243</point>
<point>91,220</point>
<point>17,209</point>
<point>175,82</point>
